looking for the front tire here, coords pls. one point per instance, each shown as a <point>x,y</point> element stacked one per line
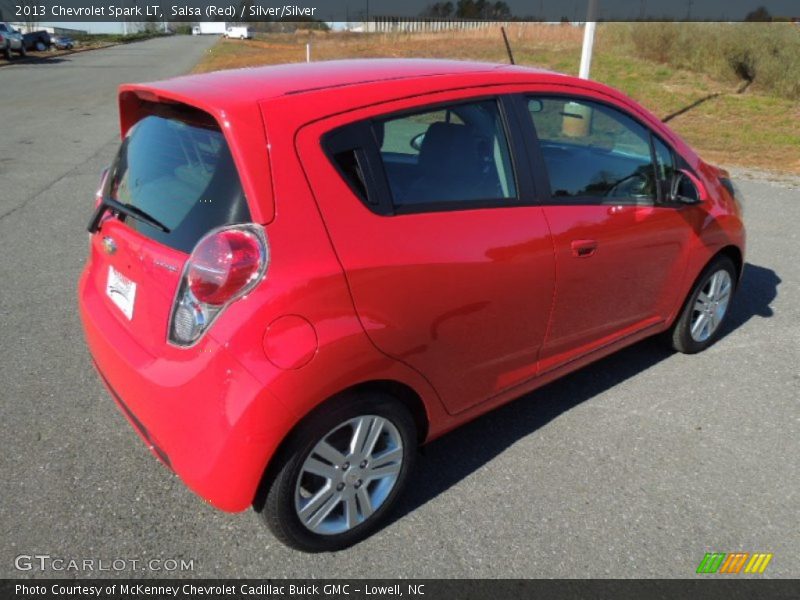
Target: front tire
<point>700,321</point>
<point>22,51</point>
<point>341,473</point>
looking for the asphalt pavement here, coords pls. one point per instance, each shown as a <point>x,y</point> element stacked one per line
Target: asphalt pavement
<point>633,467</point>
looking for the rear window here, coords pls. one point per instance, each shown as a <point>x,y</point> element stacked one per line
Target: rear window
<point>179,170</point>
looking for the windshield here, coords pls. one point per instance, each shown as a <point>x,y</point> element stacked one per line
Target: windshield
<point>180,173</point>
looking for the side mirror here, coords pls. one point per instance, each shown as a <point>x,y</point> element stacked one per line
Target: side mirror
<point>686,188</point>
<point>416,141</point>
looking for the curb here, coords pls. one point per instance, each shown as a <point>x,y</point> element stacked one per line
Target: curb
<point>44,59</point>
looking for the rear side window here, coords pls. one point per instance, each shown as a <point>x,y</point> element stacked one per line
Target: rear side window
<point>450,155</point>
<point>592,150</point>
<point>178,170</point>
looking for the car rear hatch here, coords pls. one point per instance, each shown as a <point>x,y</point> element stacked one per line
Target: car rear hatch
<point>173,180</point>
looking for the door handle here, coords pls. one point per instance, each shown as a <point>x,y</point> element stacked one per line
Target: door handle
<point>583,248</point>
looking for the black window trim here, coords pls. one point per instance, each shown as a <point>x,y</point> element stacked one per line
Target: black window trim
<point>662,187</point>
<point>357,138</point>
<point>377,182</point>
<point>679,163</point>
<point>538,166</point>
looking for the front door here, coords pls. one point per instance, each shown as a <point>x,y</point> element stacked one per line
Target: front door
<point>618,243</point>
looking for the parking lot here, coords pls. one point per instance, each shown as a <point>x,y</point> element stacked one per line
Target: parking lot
<point>633,467</point>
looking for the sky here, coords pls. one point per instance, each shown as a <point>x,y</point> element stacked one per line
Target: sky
<point>575,10</point>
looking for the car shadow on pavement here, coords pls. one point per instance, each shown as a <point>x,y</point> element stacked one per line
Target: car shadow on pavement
<point>451,458</point>
<point>759,287</point>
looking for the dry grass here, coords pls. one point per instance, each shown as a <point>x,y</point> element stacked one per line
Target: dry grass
<point>484,44</point>
<point>767,55</point>
<point>753,129</point>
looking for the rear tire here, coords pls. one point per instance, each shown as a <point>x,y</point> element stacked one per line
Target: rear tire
<point>708,304</point>
<point>7,52</point>
<point>328,488</point>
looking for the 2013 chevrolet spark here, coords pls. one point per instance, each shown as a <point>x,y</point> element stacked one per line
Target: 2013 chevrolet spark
<point>298,274</point>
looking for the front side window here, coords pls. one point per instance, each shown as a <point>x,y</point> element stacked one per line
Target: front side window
<point>453,154</point>
<point>593,151</point>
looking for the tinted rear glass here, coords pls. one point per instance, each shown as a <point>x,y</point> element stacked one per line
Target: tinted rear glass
<point>181,173</point>
<point>452,154</point>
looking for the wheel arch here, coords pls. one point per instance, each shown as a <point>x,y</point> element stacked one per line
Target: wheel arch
<point>735,254</point>
<point>404,393</point>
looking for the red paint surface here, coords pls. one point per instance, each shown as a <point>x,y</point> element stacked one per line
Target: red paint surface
<point>468,309</point>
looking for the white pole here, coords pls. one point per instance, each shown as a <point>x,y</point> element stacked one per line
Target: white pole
<point>308,52</point>
<point>588,40</point>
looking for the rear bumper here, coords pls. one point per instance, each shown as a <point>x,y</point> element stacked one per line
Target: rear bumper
<point>203,414</point>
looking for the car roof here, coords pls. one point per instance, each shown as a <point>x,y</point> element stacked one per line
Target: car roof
<point>259,83</point>
<point>236,98</point>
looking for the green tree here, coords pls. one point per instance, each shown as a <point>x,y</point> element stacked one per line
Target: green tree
<point>759,14</point>
<point>440,10</point>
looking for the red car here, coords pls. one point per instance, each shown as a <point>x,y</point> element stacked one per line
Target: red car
<point>298,274</point>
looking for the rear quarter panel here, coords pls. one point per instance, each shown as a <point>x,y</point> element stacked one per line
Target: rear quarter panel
<point>304,279</point>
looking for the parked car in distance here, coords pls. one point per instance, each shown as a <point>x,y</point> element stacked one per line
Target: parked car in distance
<point>63,42</point>
<point>297,274</point>
<point>37,40</point>
<point>11,40</point>
<point>240,33</point>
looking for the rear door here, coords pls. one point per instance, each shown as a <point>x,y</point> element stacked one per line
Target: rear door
<point>620,245</point>
<point>176,167</point>
<point>433,215</point>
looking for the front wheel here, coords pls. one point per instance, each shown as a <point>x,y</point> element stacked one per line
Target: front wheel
<point>22,51</point>
<point>700,322</point>
<point>341,473</point>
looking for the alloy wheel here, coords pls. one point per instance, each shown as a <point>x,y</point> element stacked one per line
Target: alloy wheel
<point>711,305</point>
<point>348,475</point>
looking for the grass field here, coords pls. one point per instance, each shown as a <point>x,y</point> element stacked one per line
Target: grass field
<point>758,128</point>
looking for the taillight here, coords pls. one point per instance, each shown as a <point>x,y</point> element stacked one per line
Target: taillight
<point>224,266</point>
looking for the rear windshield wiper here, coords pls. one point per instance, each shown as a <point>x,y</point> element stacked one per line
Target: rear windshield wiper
<point>125,209</point>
